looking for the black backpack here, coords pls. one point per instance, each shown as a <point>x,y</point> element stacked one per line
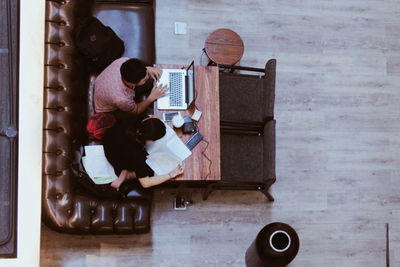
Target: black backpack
<point>98,44</point>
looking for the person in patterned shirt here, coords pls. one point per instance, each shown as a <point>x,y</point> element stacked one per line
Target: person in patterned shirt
<point>115,88</point>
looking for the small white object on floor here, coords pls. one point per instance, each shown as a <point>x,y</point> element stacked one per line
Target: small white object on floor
<point>180,28</point>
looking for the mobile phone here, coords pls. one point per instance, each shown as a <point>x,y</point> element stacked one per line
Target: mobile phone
<point>194,140</point>
<point>167,116</point>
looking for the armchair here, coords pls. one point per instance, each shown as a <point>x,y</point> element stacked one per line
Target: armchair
<point>247,129</point>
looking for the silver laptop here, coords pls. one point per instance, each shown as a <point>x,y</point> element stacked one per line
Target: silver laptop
<point>181,91</point>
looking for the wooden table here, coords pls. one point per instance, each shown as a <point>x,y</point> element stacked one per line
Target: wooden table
<point>197,166</point>
<point>224,46</point>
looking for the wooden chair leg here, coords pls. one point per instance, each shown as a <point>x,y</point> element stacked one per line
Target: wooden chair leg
<point>268,184</point>
<point>268,195</point>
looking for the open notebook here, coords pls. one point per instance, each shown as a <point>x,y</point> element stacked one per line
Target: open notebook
<point>166,153</point>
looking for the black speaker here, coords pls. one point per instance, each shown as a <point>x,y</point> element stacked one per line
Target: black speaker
<point>276,244</point>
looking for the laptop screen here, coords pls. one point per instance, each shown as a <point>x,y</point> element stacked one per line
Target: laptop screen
<point>190,90</point>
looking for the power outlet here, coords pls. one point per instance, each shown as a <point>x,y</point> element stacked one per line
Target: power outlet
<point>180,28</point>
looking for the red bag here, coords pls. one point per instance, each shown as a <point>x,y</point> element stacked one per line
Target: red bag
<point>98,124</point>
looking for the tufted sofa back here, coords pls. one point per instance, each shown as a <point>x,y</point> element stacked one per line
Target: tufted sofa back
<point>64,207</point>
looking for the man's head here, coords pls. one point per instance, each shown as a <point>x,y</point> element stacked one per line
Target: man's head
<point>134,72</point>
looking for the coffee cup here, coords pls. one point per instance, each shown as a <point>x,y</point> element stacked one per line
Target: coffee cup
<point>178,121</point>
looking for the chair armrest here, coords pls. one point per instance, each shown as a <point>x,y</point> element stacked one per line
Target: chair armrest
<point>269,150</point>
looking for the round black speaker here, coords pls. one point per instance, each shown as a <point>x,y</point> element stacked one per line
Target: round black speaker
<point>276,244</point>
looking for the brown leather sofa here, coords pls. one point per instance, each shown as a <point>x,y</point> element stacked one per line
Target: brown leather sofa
<point>65,207</point>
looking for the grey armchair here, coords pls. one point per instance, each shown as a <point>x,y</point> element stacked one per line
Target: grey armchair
<point>247,129</point>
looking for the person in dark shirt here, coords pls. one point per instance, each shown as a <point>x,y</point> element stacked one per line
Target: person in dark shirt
<point>124,147</point>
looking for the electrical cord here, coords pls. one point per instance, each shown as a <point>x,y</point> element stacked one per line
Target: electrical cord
<point>209,160</point>
<point>201,56</point>
<point>204,150</point>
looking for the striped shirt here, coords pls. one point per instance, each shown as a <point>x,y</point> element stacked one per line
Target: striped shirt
<point>110,93</point>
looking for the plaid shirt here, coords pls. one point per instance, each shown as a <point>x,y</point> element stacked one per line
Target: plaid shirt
<point>110,93</point>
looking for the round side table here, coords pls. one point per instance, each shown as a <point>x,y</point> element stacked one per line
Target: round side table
<point>224,46</point>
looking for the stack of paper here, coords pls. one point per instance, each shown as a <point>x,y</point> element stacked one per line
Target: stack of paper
<point>97,166</point>
<point>166,153</point>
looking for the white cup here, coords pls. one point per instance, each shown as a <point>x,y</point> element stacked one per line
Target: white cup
<point>177,121</point>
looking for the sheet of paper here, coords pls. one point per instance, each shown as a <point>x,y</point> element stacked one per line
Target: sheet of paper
<point>196,115</point>
<point>169,143</point>
<point>97,166</point>
<point>178,149</point>
<point>162,163</point>
<point>158,145</point>
<point>97,180</point>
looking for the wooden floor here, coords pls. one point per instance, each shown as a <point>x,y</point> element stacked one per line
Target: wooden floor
<point>338,141</point>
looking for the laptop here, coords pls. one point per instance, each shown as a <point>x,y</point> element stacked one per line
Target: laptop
<point>181,93</point>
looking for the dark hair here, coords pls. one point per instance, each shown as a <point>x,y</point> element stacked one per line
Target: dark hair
<point>133,70</point>
<point>150,129</point>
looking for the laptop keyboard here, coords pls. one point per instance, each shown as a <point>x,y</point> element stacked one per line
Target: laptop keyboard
<point>175,89</point>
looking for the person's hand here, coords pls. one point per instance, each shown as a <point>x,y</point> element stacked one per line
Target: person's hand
<point>158,91</point>
<point>154,73</point>
<point>177,171</point>
<point>131,175</point>
<point>122,177</point>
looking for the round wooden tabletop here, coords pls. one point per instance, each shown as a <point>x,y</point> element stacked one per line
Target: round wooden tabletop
<point>224,46</point>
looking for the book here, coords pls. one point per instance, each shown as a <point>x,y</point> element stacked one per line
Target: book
<point>166,153</point>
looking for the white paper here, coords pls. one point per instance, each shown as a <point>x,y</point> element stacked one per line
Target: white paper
<point>178,149</point>
<point>97,166</point>
<point>162,163</point>
<point>166,153</point>
<point>196,115</point>
<point>169,143</point>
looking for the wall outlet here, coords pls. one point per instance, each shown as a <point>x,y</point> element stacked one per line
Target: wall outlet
<point>180,28</point>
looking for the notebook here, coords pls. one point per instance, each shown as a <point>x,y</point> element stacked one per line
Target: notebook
<point>166,153</point>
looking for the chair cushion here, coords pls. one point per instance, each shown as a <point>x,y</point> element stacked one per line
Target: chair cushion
<point>241,97</point>
<point>246,97</point>
<point>248,158</point>
<point>241,158</point>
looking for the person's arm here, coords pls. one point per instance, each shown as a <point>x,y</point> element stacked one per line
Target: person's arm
<point>147,182</point>
<point>123,176</point>
<point>142,106</point>
<point>156,93</point>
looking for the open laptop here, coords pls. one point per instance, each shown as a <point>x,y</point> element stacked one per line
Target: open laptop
<point>181,91</point>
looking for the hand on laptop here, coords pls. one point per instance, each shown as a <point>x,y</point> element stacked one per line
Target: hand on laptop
<point>158,91</point>
<point>154,73</point>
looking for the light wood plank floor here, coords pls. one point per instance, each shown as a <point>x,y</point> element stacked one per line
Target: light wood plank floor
<point>338,141</point>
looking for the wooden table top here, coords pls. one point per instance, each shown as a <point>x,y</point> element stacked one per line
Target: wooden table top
<point>197,166</point>
<point>224,46</point>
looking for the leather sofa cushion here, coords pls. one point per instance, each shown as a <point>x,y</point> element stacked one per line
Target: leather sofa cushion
<point>133,23</point>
